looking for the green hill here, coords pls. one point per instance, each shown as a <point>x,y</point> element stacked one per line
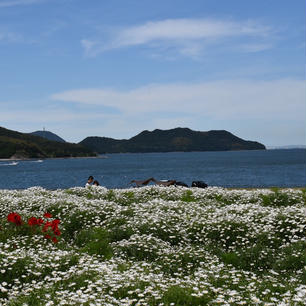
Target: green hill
<point>178,139</point>
<point>21,145</point>
<point>48,135</point>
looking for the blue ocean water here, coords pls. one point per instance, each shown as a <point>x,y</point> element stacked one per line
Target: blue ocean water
<point>281,168</point>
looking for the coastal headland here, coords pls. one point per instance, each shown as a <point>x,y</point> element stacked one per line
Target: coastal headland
<point>16,145</point>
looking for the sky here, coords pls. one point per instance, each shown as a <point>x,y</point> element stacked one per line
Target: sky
<point>114,68</point>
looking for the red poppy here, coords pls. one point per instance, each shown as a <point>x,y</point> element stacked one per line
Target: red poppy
<point>57,232</point>
<point>47,215</point>
<point>33,221</point>
<point>11,217</point>
<point>14,218</point>
<point>56,222</point>
<point>46,226</point>
<point>40,221</point>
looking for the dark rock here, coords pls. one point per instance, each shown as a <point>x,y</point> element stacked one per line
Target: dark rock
<point>199,184</point>
<point>181,184</point>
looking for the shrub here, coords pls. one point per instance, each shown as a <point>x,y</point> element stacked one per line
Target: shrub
<point>188,196</point>
<point>227,234</point>
<point>291,258</point>
<point>179,296</point>
<point>75,223</point>
<point>94,241</point>
<point>279,199</point>
<point>256,258</point>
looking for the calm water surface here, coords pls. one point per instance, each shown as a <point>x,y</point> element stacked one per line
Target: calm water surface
<point>282,168</point>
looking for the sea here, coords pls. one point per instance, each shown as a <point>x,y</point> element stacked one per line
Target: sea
<point>237,169</point>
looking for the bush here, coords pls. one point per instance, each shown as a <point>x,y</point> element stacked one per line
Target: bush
<point>279,199</point>
<point>291,258</point>
<point>94,241</point>
<point>227,234</point>
<point>183,297</point>
<point>188,196</point>
<point>76,222</point>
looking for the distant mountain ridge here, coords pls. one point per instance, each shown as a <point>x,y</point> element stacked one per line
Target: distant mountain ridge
<point>178,139</point>
<point>48,135</point>
<point>286,147</point>
<point>18,145</point>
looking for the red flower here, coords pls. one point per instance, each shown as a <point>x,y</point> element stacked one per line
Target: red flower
<point>40,221</point>
<point>14,218</point>
<point>56,222</point>
<point>46,226</point>
<point>10,217</point>
<point>57,232</point>
<point>47,215</point>
<point>33,221</point>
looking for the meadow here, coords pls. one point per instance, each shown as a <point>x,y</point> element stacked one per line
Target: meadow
<point>152,246</point>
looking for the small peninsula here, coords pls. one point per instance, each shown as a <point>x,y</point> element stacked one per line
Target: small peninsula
<point>173,140</point>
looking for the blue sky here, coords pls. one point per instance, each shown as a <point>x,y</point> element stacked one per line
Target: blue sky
<point>114,68</point>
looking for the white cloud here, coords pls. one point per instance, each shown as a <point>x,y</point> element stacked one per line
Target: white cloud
<point>40,116</point>
<point>266,111</point>
<point>219,99</point>
<point>71,125</point>
<point>255,47</point>
<point>10,37</point>
<point>9,3</point>
<point>182,29</point>
<point>188,36</point>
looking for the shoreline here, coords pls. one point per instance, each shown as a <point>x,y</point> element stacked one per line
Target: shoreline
<point>106,155</point>
<point>275,189</point>
<point>50,158</point>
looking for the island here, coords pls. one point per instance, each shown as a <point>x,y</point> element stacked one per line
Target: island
<point>172,140</point>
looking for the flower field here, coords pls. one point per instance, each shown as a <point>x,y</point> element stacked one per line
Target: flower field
<point>152,246</point>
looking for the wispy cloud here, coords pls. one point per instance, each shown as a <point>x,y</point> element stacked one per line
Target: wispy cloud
<point>263,108</point>
<point>10,37</point>
<point>187,36</point>
<point>8,3</point>
<point>255,47</point>
<point>218,99</point>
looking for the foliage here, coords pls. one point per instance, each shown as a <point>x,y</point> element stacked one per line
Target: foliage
<point>29,146</point>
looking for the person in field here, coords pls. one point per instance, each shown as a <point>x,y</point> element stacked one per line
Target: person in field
<point>89,181</point>
<point>96,183</point>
